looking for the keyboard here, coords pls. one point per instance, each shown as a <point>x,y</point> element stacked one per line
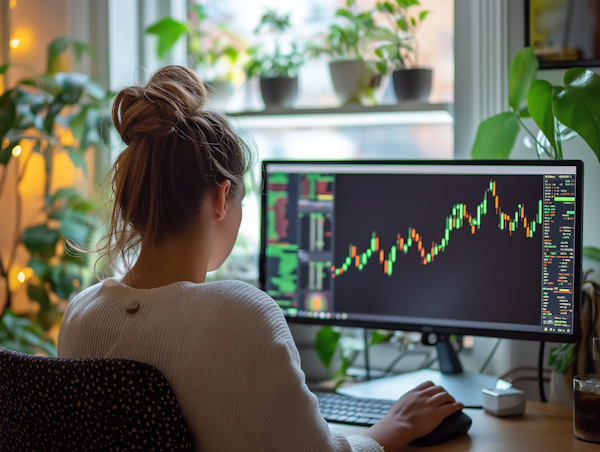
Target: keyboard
<point>351,410</point>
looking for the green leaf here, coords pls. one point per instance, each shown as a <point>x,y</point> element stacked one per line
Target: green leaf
<point>577,105</point>
<point>524,113</point>
<point>82,48</point>
<point>562,357</point>
<point>539,105</point>
<point>344,13</point>
<point>55,49</point>
<point>521,73</point>
<point>62,277</point>
<point>342,371</point>
<point>64,193</point>
<point>53,111</point>
<point>4,68</point>
<point>94,90</point>
<point>408,3</point>
<point>326,344</point>
<point>38,293</point>
<point>402,24</point>
<point>591,252</point>
<point>38,267</point>
<point>6,154</point>
<point>423,15</point>
<point>379,338</point>
<point>8,112</point>
<point>381,67</point>
<point>496,137</point>
<point>168,31</point>
<point>41,240</point>
<point>78,158</point>
<point>72,84</point>
<point>77,124</point>
<point>91,133</point>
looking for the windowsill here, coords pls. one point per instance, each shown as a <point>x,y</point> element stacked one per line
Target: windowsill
<point>353,115</point>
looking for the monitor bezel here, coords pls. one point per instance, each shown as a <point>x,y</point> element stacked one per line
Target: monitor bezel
<point>523,335</point>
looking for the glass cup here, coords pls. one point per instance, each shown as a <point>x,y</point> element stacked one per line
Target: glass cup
<point>586,407</point>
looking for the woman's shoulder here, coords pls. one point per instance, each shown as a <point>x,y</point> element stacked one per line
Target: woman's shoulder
<point>248,305</point>
<point>240,293</point>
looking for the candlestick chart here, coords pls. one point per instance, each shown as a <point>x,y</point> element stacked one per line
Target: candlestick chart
<point>439,238</point>
<point>522,220</point>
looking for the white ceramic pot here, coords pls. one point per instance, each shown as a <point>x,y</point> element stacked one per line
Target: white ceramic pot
<point>357,81</point>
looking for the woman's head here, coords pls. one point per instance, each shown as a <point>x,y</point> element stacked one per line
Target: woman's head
<point>176,154</point>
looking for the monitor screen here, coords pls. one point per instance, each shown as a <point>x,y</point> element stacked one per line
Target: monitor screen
<point>460,247</point>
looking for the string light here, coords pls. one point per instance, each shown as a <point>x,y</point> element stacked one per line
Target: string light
<point>16,151</point>
<point>14,43</point>
<point>12,4</point>
<point>21,277</point>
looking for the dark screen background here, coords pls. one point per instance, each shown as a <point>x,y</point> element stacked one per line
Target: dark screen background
<point>487,276</point>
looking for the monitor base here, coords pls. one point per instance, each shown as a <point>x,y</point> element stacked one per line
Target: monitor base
<point>465,387</point>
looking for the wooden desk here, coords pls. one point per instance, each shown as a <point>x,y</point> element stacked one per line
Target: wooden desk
<point>544,427</point>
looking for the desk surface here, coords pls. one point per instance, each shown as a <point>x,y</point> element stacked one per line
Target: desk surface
<point>543,427</point>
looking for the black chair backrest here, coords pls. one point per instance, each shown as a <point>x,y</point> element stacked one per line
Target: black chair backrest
<point>54,404</point>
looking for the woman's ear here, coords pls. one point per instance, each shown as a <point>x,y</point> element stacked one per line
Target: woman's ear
<point>220,203</point>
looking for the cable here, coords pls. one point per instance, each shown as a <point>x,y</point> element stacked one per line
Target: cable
<point>489,358</point>
<point>541,373</point>
<point>367,366</point>
<point>397,359</point>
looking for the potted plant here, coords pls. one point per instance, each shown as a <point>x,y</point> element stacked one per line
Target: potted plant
<point>355,72</point>
<point>213,51</point>
<point>278,68</point>
<point>411,82</point>
<point>43,119</point>
<point>561,113</point>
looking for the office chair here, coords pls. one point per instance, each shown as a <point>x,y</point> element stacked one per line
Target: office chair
<point>54,404</point>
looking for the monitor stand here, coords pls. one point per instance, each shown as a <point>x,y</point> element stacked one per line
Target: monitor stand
<point>465,387</point>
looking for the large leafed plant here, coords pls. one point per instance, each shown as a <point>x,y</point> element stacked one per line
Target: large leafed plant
<point>43,117</point>
<point>561,113</point>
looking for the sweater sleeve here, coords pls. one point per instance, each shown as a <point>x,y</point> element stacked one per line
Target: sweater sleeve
<point>284,414</point>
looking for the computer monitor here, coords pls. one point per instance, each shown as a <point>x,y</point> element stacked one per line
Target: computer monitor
<point>484,248</point>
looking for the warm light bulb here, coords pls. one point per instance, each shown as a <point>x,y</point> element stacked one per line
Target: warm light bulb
<point>14,43</point>
<point>21,277</point>
<point>12,4</point>
<point>5,143</point>
<point>16,151</point>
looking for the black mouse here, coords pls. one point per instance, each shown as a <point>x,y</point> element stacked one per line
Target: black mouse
<point>454,425</point>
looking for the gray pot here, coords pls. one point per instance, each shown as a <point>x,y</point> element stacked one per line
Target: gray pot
<point>412,84</point>
<point>279,91</point>
<point>220,93</point>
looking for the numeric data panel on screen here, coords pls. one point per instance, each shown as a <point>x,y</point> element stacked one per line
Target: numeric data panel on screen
<point>481,248</point>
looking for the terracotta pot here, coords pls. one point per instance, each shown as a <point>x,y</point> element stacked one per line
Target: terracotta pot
<point>412,84</point>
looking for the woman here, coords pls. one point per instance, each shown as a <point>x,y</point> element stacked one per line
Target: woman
<point>224,347</point>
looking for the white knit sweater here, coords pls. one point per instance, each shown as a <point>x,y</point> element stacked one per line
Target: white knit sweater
<point>227,352</point>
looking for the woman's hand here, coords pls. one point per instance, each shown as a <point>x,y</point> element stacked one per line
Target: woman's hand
<point>416,414</point>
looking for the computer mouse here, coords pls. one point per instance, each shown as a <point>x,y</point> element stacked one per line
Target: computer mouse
<point>454,425</point>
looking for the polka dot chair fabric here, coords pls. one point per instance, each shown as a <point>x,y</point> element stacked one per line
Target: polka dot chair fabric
<point>53,404</point>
